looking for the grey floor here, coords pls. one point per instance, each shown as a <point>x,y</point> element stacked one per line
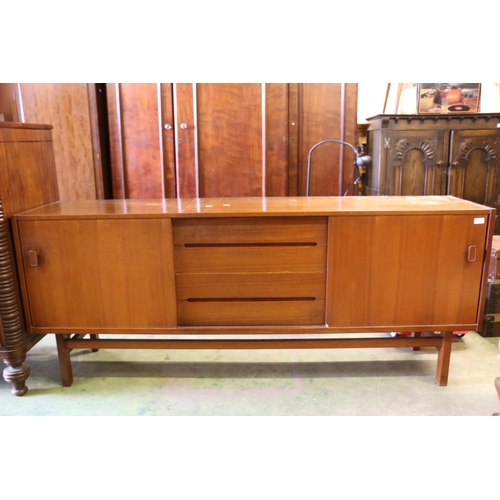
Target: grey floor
<point>324,382</point>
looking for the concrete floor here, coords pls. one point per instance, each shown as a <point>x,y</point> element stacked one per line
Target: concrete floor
<point>324,382</point>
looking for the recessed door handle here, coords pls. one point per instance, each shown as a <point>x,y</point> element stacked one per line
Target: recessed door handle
<point>33,258</point>
<point>472,253</point>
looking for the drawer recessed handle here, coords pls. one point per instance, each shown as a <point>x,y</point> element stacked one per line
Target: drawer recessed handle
<point>472,253</point>
<point>33,258</point>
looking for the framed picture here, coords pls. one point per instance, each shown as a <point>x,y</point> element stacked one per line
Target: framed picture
<point>442,98</point>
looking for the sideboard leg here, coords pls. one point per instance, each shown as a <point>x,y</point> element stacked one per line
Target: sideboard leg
<point>64,361</point>
<point>417,335</point>
<point>443,363</point>
<point>94,336</point>
<point>497,387</point>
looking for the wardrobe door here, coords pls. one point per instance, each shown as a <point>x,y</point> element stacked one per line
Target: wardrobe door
<point>326,111</point>
<point>231,139</point>
<point>73,109</point>
<point>141,140</point>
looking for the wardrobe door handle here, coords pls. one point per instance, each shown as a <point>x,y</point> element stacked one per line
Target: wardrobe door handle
<point>33,258</point>
<point>472,253</point>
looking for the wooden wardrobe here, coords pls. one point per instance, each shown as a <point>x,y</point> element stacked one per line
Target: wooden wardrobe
<point>229,139</point>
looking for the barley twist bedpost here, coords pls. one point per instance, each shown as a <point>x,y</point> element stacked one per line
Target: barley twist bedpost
<point>16,371</point>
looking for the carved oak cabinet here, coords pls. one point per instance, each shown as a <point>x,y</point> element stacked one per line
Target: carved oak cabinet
<point>457,155</point>
<point>219,271</point>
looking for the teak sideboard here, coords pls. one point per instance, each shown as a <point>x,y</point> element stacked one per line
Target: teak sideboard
<point>254,272</point>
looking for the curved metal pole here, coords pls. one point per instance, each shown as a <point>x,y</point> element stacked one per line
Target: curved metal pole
<point>356,152</point>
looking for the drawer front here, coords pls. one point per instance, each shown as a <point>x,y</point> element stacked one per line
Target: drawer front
<point>192,286</point>
<point>241,230</point>
<point>234,259</point>
<point>250,271</point>
<point>251,312</point>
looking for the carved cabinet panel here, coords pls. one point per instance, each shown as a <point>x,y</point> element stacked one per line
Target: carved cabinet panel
<point>418,168</point>
<point>436,155</point>
<point>475,166</point>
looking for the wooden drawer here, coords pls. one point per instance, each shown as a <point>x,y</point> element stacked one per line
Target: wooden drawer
<point>250,271</point>
<point>250,245</point>
<point>251,312</point>
<point>234,259</point>
<point>247,285</point>
<point>250,230</point>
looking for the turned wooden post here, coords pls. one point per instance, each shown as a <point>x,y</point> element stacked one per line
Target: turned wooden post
<point>17,371</point>
<point>497,383</point>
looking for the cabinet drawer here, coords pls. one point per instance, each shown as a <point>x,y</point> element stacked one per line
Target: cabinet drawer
<point>249,285</point>
<point>230,259</point>
<point>251,312</point>
<point>250,245</point>
<point>250,271</point>
<point>250,230</point>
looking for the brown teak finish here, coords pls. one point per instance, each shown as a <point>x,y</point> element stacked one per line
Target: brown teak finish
<point>278,265</point>
<point>251,271</point>
<point>407,270</point>
<point>99,274</point>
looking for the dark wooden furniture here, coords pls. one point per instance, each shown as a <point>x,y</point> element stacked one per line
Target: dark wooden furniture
<point>497,384</point>
<point>435,155</point>
<point>226,268</point>
<point>229,139</point>
<point>27,180</point>
<point>497,387</point>
<point>491,320</point>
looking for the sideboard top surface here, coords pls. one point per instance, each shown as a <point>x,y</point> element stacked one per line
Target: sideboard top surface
<point>25,126</point>
<point>238,207</point>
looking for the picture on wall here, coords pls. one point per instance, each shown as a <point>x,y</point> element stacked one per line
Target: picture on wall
<point>442,98</point>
